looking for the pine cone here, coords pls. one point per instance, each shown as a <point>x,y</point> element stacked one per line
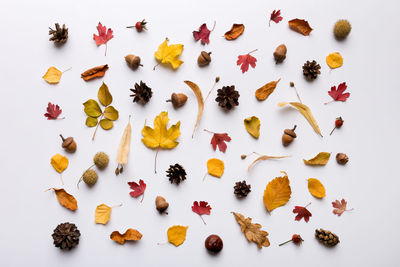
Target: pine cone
<point>176,173</point>
<point>242,189</point>
<point>326,237</point>
<point>311,70</point>
<point>60,35</point>
<point>142,93</point>
<point>227,97</point>
<point>66,236</point>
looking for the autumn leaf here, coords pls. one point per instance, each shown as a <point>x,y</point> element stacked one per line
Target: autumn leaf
<point>302,212</point>
<point>234,32</point>
<point>124,147</point>
<point>263,92</point>
<point>92,73</point>
<point>129,235</point>
<point>215,167</point>
<point>334,60</point>
<point>264,157</point>
<point>53,111</point>
<point>316,188</point>
<point>203,34</point>
<point>319,160</point>
<point>301,26</point>
<point>177,234</point>
<point>340,207</point>
<point>218,140</point>
<point>201,209</point>
<point>200,102</point>
<point>252,125</point>
<point>277,193</point>
<point>65,199</point>
<point>59,162</point>
<point>246,60</point>
<point>102,214</point>
<point>252,231</point>
<point>169,54</point>
<point>160,136</point>
<point>337,94</point>
<point>53,75</point>
<point>275,17</point>
<point>138,189</point>
<point>103,37</point>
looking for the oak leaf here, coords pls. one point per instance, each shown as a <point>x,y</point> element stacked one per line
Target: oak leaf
<point>302,212</point>
<point>252,125</point>
<point>129,235</point>
<point>234,32</point>
<point>252,231</point>
<point>275,17</point>
<point>138,189</point>
<point>168,54</point>
<point>263,92</point>
<point>277,193</point>
<point>319,160</point>
<point>340,207</point>
<point>300,26</point>
<point>104,36</point>
<point>92,73</point>
<point>53,75</point>
<point>215,167</point>
<point>65,199</point>
<point>53,111</point>
<point>338,94</point>
<point>177,234</point>
<point>334,60</point>
<point>218,140</point>
<point>201,209</point>
<point>245,60</point>
<point>316,188</point>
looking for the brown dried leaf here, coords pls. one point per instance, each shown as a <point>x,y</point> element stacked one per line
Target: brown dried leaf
<point>234,32</point>
<point>65,199</point>
<point>264,157</point>
<point>129,235</point>
<point>98,71</point>
<point>200,101</point>
<point>300,26</point>
<point>263,92</point>
<point>252,231</point>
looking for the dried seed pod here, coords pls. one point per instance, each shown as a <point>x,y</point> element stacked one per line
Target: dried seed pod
<point>178,100</point>
<point>288,136</point>
<point>204,59</point>
<point>68,144</point>
<point>161,204</point>
<point>280,53</point>
<point>342,158</point>
<point>133,61</point>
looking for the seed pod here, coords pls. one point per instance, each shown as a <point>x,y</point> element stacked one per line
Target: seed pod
<point>204,59</point>
<point>288,136</point>
<point>133,61</point>
<point>178,100</point>
<point>161,204</point>
<point>68,144</point>
<point>342,158</point>
<point>280,53</point>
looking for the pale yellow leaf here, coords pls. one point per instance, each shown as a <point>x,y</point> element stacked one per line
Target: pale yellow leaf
<point>125,144</point>
<point>53,75</point>
<point>102,214</point>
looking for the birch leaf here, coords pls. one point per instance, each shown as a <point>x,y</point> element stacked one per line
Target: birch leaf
<point>111,113</point>
<point>277,193</point>
<point>59,162</point>
<point>200,101</point>
<point>215,167</point>
<point>264,157</point>
<point>102,214</point>
<point>125,144</point>
<point>316,188</point>
<point>177,234</point>
<point>66,199</point>
<point>319,160</point>
<point>252,125</point>
<point>53,75</point>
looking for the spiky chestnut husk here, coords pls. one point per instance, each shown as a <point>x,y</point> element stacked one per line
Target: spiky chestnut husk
<point>342,29</point>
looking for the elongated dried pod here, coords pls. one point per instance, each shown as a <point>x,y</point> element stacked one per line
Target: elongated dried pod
<point>200,101</point>
<point>124,148</point>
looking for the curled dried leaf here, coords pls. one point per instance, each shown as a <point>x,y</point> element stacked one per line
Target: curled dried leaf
<point>300,26</point>
<point>264,157</point>
<point>234,32</point>
<point>65,199</point>
<point>98,71</point>
<point>200,102</point>
<point>252,231</point>
<point>263,92</point>
<point>319,160</point>
<point>129,235</point>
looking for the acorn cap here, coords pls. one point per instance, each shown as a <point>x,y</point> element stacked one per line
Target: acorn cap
<point>290,132</point>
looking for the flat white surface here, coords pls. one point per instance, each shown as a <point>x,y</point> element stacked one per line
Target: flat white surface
<point>369,182</point>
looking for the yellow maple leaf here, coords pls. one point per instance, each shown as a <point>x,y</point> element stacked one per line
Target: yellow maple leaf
<point>316,188</point>
<point>53,75</point>
<point>177,234</point>
<point>102,214</point>
<point>160,136</point>
<point>215,167</point>
<point>252,231</point>
<point>277,193</point>
<point>169,54</point>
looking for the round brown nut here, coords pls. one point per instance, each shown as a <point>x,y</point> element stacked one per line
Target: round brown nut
<point>342,158</point>
<point>178,100</point>
<point>204,59</point>
<point>133,61</point>
<point>161,204</point>
<point>280,53</point>
<point>214,243</point>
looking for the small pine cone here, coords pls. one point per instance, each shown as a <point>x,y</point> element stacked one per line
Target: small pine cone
<point>60,35</point>
<point>311,70</point>
<point>176,173</point>
<point>142,93</point>
<point>242,189</point>
<point>66,236</point>
<point>326,237</point>
<point>227,97</point>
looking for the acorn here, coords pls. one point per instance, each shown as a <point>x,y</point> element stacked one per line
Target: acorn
<point>68,144</point>
<point>178,100</point>
<point>280,53</point>
<point>133,61</point>
<point>288,136</point>
<point>204,59</point>
<point>161,204</point>
<point>101,160</point>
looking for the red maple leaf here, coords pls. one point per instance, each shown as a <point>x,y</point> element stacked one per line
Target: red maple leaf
<point>104,35</point>
<point>53,111</point>
<point>246,60</point>
<point>275,17</point>
<point>203,34</point>
<point>219,140</point>
<point>302,212</point>
<point>337,94</point>
<point>340,207</point>
<point>201,209</point>
<point>138,189</point>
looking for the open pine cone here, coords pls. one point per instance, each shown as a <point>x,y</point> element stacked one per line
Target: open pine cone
<point>142,93</point>
<point>66,236</point>
<point>227,97</point>
<point>326,237</point>
<point>242,189</point>
<point>59,35</point>
<point>311,70</point>
<point>176,173</point>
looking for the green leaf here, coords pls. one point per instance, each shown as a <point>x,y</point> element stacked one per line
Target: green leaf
<point>104,95</point>
<point>91,122</point>
<point>106,124</point>
<point>92,108</point>
<point>111,113</point>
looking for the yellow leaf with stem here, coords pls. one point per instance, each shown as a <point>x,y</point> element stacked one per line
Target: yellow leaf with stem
<point>168,54</point>
<point>277,193</point>
<point>102,213</point>
<point>177,234</point>
<point>53,75</point>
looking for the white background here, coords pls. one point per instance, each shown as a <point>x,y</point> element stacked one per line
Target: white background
<point>369,182</point>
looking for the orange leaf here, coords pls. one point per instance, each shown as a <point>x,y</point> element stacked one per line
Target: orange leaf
<point>300,26</point>
<point>66,199</point>
<point>263,92</point>
<point>277,192</point>
<point>234,32</point>
<point>129,235</point>
<point>98,71</point>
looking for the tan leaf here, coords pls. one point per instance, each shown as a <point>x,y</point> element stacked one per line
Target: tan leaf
<point>252,125</point>
<point>300,26</point>
<point>234,32</point>
<point>264,157</point>
<point>65,199</point>
<point>277,193</point>
<point>94,72</point>
<point>263,92</point>
<point>200,102</point>
<point>252,231</point>
<point>125,144</point>
<point>102,214</point>
<point>316,188</point>
<point>129,235</point>
<point>319,160</point>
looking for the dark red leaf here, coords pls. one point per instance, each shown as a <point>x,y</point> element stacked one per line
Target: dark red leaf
<point>302,212</point>
<point>202,34</point>
<point>337,94</point>
<point>219,140</point>
<point>245,61</point>
<point>201,209</point>
<point>53,111</point>
<point>275,17</point>
<point>104,35</point>
<point>138,189</point>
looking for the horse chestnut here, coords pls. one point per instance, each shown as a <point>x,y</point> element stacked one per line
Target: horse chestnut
<point>214,243</point>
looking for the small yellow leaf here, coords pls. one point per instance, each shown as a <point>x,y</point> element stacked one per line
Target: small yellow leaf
<point>106,124</point>
<point>104,95</point>
<point>169,54</point>
<point>316,188</point>
<point>319,160</point>
<point>215,167</point>
<point>200,101</point>
<point>129,235</point>
<point>277,193</point>
<point>66,199</point>
<point>334,60</point>
<point>111,113</point>
<point>102,214</point>
<point>59,162</point>
<point>252,125</point>
<point>91,122</point>
<point>177,234</point>
<point>53,75</point>
<point>92,108</point>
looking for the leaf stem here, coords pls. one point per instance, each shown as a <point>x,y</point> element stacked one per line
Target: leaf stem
<point>204,177</point>
<point>155,160</point>
<point>105,53</point>
<point>212,88</point>
<point>208,131</point>
<point>203,220</point>
<point>307,205</point>
<point>67,69</point>
<point>116,206</point>
<point>62,181</point>
<point>252,51</point>
<point>142,198</point>
<point>329,102</point>
<point>154,68</point>
<point>97,126</point>
<point>214,25</point>
<point>285,242</point>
